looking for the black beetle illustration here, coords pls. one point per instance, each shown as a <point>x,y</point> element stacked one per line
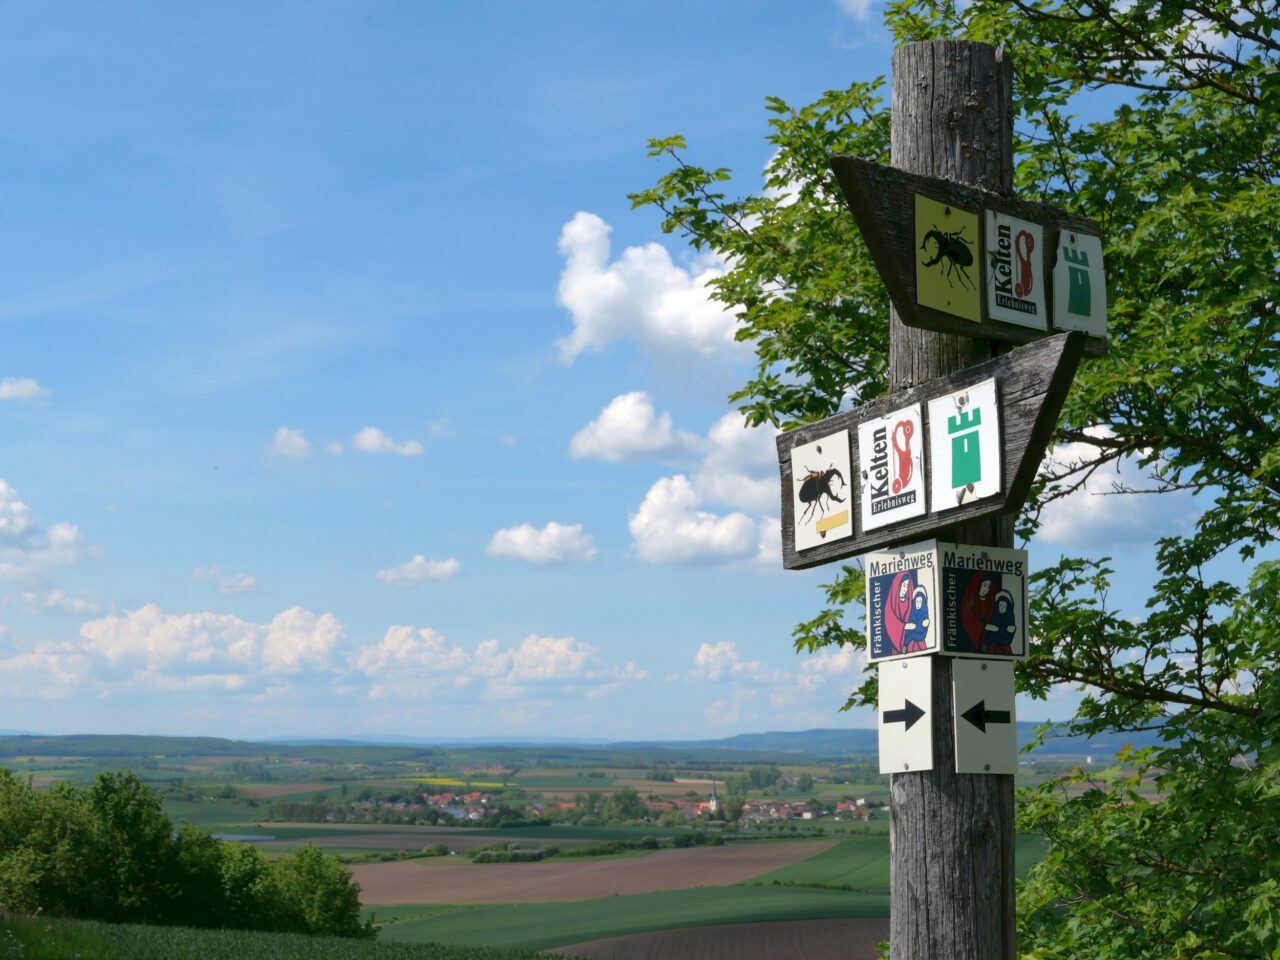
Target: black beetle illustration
<point>817,485</point>
<point>954,248</point>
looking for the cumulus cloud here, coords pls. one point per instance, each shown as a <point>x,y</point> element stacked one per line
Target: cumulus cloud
<point>289,443</point>
<point>665,308</point>
<point>57,601</point>
<point>406,648</point>
<point>156,642</point>
<point>226,581</point>
<point>21,388</point>
<point>27,549</point>
<point>411,663</point>
<point>629,429</point>
<point>554,543</point>
<point>669,528</point>
<point>16,518</point>
<point>717,661</point>
<point>741,466</point>
<point>418,570</point>
<point>1096,513</point>
<point>373,440</point>
<point>831,663</point>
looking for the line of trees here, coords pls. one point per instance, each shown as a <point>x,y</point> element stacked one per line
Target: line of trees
<point>109,852</point>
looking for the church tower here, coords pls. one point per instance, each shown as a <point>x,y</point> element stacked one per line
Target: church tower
<point>713,805</point>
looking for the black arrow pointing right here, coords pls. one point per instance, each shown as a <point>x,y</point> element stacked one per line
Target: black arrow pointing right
<point>980,716</point>
<point>909,714</point>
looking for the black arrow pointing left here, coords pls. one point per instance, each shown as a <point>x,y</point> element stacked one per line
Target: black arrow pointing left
<point>980,716</point>
<point>909,714</point>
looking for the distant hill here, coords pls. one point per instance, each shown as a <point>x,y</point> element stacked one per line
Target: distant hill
<point>778,746</point>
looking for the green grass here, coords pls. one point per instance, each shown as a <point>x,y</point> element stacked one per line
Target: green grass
<point>22,939</point>
<point>223,816</point>
<point>561,782</point>
<point>540,926</point>
<point>862,863</point>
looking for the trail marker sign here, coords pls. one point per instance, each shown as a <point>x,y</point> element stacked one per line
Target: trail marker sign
<point>985,719</point>
<point>906,697</point>
<point>959,259</point>
<point>958,448</point>
<point>982,597</point>
<point>902,602</point>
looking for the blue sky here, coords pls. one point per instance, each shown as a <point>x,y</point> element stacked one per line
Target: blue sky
<point>343,392</point>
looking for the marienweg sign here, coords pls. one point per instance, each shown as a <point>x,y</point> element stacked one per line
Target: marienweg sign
<point>920,461</point>
<point>937,597</point>
<point>959,259</point>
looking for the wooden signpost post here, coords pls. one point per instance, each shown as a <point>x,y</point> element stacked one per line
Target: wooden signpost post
<point>952,449</point>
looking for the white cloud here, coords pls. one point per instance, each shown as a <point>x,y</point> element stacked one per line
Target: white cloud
<point>16,518</point>
<point>554,543</point>
<point>668,528</point>
<point>225,581</point>
<point>297,638</point>
<point>1095,513</point>
<point>146,644</point>
<point>405,648</point>
<point>741,466</point>
<point>412,663</point>
<point>642,295</point>
<point>629,429</point>
<point>858,9</point>
<point>57,601</point>
<point>831,663</point>
<point>722,712</point>
<point>717,661</point>
<point>418,570</point>
<point>333,448</point>
<point>373,440</point>
<point>289,443</point>
<point>26,549</point>
<point>50,671</point>
<point>21,388</point>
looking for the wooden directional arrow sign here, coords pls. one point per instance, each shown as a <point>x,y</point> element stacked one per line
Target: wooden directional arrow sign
<point>906,466</point>
<point>962,260</point>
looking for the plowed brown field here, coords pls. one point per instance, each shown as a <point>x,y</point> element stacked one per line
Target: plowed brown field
<point>455,880</point>
<point>811,939</point>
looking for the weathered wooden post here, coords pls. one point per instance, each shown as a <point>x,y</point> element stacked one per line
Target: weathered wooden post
<point>951,833</point>
<point>922,483</point>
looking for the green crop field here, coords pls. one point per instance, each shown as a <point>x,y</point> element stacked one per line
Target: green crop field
<point>862,863</point>
<point>223,816</point>
<point>79,940</point>
<point>541,926</point>
<point>562,782</point>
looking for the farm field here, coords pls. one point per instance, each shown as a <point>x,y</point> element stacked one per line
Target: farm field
<point>545,926</point>
<point>862,863</point>
<point>47,939</point>
<point>462,882</point>
<point>844,939</point>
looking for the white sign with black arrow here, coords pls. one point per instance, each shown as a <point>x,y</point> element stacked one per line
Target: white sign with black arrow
<point>906,733</point>
<point>985,720</point>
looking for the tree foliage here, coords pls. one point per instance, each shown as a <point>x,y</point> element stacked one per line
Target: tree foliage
<point>110,853</point>
<point>1179,160</point>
